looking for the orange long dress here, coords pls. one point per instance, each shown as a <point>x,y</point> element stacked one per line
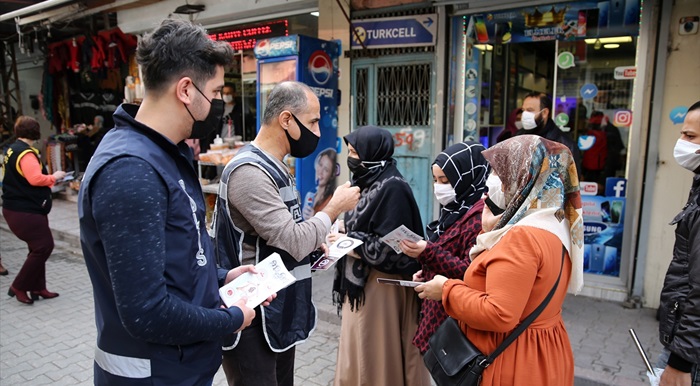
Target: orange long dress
<point>501,288</point>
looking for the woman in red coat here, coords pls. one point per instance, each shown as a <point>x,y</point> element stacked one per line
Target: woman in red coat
<point>26,202</point>
<point>516,262</point>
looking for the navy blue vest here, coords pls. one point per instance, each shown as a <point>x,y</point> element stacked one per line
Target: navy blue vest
<point>190,272</point>
<point>291,317</point>
<point>17,193</point>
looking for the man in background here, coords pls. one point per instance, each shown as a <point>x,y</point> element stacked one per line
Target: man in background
<point>536,119</point>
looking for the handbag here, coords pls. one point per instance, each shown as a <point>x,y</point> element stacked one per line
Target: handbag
<point>454,361</point>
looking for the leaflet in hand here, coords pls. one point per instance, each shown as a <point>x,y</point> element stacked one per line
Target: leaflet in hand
<point>69,177</point>
<point>338,249</point>
<point>272,276</point>
<point>393,238</point>
<point>402,283</point>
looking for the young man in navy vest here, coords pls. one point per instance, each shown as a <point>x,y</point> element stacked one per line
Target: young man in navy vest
<point>265,217</point>
<point>142,222</point>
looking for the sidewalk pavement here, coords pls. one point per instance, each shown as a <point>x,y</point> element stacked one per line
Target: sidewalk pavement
<point>52,342</point>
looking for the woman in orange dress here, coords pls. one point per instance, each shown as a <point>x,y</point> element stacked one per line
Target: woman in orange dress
<point>517,260</point>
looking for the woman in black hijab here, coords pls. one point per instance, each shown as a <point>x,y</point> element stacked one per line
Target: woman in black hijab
<point>378,321</point>
<point>460,173</point>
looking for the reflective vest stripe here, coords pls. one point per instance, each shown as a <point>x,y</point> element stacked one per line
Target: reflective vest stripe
<point>122,366</point>
<point>301,272</point>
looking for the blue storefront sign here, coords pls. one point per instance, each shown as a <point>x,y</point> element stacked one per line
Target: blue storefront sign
<point>405,31</point>
<point>615,187</point>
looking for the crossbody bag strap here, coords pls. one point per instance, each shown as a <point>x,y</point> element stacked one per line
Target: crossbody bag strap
<point>526,323</point>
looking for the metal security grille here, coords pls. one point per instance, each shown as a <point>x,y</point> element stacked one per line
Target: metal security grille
<point>361,90</point>
<point>403,95</point>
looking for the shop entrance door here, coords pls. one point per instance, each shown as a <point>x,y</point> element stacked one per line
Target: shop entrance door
<point>397,94</point>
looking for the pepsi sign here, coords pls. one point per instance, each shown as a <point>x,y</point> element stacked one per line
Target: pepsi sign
<point>320,67</point>
<point>275,47</point>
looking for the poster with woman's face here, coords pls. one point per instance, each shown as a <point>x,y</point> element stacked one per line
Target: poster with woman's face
<point>326,171</point>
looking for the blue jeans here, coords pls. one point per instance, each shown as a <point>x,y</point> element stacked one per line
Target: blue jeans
<point>663,361</point>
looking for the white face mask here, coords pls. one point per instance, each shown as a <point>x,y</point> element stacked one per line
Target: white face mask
<point>493,183</point>
<point>685,154</point>
<point>444,193</point>
<point>227,98</point>
<point>518,125</point>
<point>528,120</point>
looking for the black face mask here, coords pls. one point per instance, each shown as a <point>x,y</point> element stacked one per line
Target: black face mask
<point>305,145</point>
<point>356,167</point>
<point>360,168</point>
<point>201,129</point>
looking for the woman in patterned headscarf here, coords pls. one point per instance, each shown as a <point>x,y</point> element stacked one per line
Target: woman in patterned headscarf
<point>516,262</point>
<point>459,173</point>
<point>378,321</point>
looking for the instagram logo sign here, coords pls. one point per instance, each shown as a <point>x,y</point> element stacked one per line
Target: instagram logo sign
<point>622,118</point>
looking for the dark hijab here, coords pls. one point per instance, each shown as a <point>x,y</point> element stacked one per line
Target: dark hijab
<point>375,146</point>
<point>386,203</point>
<point>466,169</point>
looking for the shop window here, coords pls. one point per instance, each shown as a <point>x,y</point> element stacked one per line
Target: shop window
<point>361,96</point>
<point>594,101</point>
<point>403,95</point>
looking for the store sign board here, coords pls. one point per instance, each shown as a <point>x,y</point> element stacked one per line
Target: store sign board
<point>603,228</point>
<point>570,21</point>
<point>588,188</point>
<point>407,31</point>
<point>625,72</point>
<point>245,38</point>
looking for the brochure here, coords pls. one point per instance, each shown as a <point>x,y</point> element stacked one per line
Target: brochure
<point>272,276</point>
<point>402,283</point>
<point>338,249</point>
<point>393,238</point>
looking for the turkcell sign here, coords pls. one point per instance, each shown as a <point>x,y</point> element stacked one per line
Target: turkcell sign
<point>404,31</point>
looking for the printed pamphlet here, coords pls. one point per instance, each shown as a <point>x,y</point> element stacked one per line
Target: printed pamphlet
<point>402,283</point>
<point>393,238</point>
<point>272,276</point>
<point>338,249</point>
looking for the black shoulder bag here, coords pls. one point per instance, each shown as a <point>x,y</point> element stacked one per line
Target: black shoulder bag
<point>454,361</point>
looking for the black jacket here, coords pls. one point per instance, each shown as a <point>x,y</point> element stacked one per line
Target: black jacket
<point>17,193</point>
<point>679,311</point>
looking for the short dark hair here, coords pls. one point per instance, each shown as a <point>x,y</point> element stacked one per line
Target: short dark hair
<point>27,127</point>
<point>180,48</point>
<point>232,85</point>
<point>288,95</point>
<point>545,102</point>
<point>695,106</point>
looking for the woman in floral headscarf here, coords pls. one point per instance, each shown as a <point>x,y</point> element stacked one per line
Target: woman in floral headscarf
<point>516,262</point>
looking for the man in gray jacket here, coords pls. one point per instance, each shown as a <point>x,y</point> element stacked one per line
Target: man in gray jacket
<point>679,311</point>
<point>264,217</point>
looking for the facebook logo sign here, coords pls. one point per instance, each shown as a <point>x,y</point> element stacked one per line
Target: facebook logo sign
<point>615,187</point>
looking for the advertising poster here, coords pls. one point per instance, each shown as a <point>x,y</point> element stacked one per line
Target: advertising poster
<point>569,21</point>
<point>603,224</point>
